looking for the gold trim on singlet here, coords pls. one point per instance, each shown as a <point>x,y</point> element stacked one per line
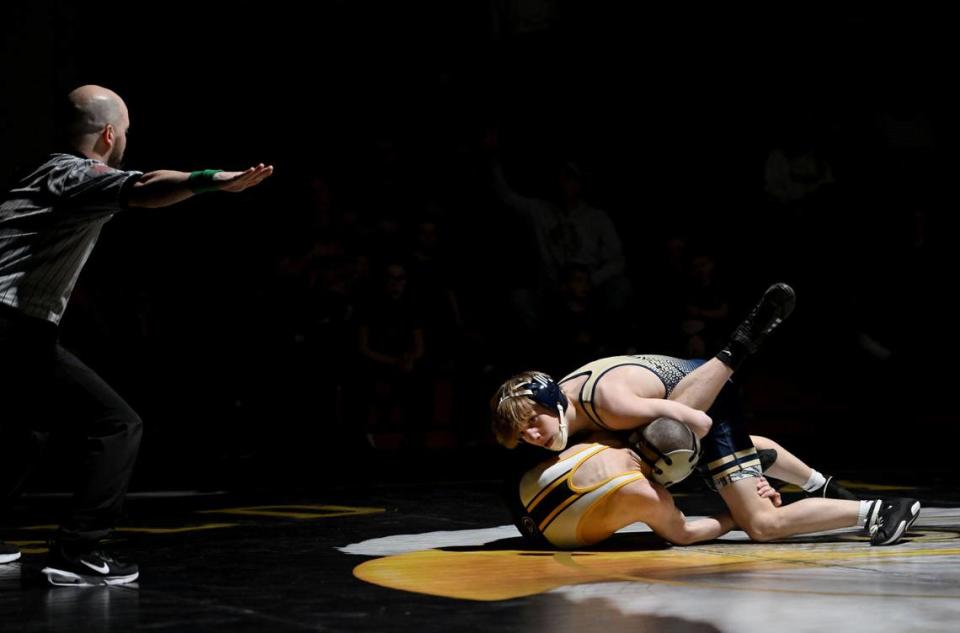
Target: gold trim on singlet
<point>562,478</point>
<point>729,458</point>
<point>753,463</point>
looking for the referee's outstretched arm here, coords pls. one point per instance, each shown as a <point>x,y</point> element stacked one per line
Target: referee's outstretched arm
<point>164,187</point>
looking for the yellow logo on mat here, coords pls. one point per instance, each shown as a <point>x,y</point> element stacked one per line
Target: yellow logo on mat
<point>484,574</point>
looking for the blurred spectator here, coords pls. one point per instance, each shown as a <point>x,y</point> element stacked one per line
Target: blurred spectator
<point>433,281</point>
<point>707,306</point>
<point>565,230</point>
<point>795,171</point>
<point>576,322</point>
<point>390,337</point>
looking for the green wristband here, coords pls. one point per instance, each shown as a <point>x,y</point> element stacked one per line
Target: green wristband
<point>202,181</point>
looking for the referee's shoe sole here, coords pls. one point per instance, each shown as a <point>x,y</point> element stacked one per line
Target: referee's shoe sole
<point>8,553</point>
<point>63,578</point>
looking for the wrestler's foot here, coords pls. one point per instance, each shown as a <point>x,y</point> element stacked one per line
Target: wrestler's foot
<point>889,519</point>
<point>776,305</point>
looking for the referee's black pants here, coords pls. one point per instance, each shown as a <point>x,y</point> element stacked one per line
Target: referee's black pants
<point>46,390</point>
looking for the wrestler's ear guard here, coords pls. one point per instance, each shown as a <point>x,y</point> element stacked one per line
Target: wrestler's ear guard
<point>543,390</point>
<point>669,447</point>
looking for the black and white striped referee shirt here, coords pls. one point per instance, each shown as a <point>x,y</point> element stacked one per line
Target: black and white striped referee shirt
<point>49,224</point>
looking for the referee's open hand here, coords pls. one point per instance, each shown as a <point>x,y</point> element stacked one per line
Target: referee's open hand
<point>239,180</point>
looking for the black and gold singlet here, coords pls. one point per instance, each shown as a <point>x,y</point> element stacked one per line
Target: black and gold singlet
<point>668,369</point>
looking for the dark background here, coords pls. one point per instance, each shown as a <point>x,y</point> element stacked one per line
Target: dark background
<point>230,322</point>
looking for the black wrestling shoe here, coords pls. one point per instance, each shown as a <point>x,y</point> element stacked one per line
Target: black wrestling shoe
<point>8,553</point>
<point>774,306</point>
<point>889,520</point>
<point>832,490</point>
<point>88,568</point>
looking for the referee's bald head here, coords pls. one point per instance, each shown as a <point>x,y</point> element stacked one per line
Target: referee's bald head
<point>87,111</point>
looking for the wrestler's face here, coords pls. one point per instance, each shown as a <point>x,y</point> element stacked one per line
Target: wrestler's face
<point>542,428</point>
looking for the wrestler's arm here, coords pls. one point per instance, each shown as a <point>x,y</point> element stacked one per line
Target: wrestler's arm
<point>624,410</point>
<point>644,501</point>
<point>647,502</point>
<point>667,521</point>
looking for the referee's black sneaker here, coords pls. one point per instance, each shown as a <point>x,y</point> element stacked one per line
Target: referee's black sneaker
<point>89,567</point>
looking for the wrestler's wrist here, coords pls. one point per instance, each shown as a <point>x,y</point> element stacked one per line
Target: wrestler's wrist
<point>203,181</point>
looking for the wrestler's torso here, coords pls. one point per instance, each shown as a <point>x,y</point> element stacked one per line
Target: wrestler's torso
<point>565,499</point>
<point>643,376</point>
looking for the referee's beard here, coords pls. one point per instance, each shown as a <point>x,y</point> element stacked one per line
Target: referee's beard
<point>115,159</point>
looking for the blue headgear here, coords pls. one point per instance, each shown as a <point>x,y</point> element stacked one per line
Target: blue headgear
<point>543,390</point>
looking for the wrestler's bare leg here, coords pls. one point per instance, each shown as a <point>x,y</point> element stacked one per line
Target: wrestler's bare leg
<point>788,467</point>
<point>700,388</point>
<point>763,521</point>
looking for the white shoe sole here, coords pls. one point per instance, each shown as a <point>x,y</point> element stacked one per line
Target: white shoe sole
<point>916,514</point>
<point>9,558</point>
<point>61,578</point>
